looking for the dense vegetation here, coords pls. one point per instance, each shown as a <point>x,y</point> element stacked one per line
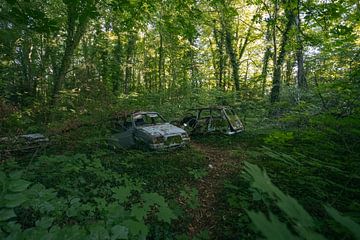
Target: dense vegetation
<point>291,69</point>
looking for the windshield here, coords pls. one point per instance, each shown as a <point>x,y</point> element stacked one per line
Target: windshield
<point>233,118</point>
<point>148,119</point>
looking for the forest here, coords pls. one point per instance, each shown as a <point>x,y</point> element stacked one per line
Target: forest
<point>287,70</point>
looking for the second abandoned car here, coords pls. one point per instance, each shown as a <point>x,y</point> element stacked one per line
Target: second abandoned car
<point>212,119</point>
<point>148,129</point>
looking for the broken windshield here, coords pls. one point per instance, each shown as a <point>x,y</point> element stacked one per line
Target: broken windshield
<point>148,119</point>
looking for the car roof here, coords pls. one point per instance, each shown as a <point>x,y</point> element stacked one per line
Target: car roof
<point>143,112</point>
<point>211,107</point>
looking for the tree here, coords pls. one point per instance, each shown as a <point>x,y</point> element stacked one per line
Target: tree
<point>79,12</point>
<point>301,78</point>
<point>276,82</point>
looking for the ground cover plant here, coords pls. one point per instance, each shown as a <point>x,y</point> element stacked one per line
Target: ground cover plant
<point>289,69</point>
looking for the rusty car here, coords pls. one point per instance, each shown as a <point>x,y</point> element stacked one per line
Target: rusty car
<point>212,119</point>
<point>22,144</point>
<point>147,129</point>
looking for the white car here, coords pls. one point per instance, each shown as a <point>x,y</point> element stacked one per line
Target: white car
<point>148,129</point>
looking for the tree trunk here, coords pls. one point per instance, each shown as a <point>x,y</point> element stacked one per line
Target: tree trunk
<point>194,72</point>
<point>118,74</point>
<point>288,73</point>
<point>301,79</point>
<point>219,39</point>
<point>266,58</point>
<point>161,62</point>
<point>247,37</point>
<point>129,62</point>
<point>246,73</point>
<point>275,91</point>
<point>233,59</point>
<point>74,33</point>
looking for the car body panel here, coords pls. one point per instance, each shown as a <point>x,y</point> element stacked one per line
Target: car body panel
<point>212,119</point>
<point>149,129</point>
<point>23,143</point>
<point>165,129</point>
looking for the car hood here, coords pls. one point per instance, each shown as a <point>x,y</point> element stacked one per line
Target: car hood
<point>165,129</point>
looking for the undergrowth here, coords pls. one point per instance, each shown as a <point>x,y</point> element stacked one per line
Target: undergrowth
<point>78,187</point>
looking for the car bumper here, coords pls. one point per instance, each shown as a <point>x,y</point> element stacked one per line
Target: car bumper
<point>163,145</point>
<point>232,132</point>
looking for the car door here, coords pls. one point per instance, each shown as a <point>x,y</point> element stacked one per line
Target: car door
<point>234,120</point>
<point>125,136</point>
<point>204,119</point>
<point>218,121</point>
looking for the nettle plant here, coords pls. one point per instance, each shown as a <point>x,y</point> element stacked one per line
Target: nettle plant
<point>31,211</point>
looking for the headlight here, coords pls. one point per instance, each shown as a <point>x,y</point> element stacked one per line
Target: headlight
<point>184,135</point>
<point>158,139</point>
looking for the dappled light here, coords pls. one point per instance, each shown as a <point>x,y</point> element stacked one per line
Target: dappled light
<point>179,119</point>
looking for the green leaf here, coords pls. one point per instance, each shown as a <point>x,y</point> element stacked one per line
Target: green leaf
<point>44,222</point>
<point>136,228</point>
<point>14,199</point>
<point>153,198</point>
<point>121,193</point>
<point>139,212</point>
<point>271,228</point>
<point>256,196</point>
<point>6,214</point>
<point>346,222</point>
<point>119,232</point>
<point>98,232</point>
<point>165,214</point>
<point>15,175</point>
<point>18,185</point>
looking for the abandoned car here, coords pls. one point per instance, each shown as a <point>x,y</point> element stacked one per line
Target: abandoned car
<point>147,129</point>
<point>23,143</point>
<point>212,119</point>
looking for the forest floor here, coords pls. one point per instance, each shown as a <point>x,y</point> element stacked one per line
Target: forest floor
<point>204,184</point>
<point>221,164</point>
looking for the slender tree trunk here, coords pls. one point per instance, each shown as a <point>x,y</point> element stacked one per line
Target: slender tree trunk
<point>301,79</point>
<point>247,37</point>
<point>28,82</point>
<point>266,58</point>
<point>173,74</point>
<point>246,73</point>
<point>288,73</point>
<point>233,58</point>
<point>117,76</point>
<point>74,33</point>
<point>193,68</point>
<point>161,62</point>
<point>275,91</point>
<point>219,39</point>
<point>274,38</point>
<point>129,62</point>
<point>214,62</point>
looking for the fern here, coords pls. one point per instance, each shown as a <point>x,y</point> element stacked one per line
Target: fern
<point>271,228</point>
<point>301,221</point>
<point>346,222</point>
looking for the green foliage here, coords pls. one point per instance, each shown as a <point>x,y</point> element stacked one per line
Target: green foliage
<point>279,138</point>
<point>113,56</point>
<point>295,215</point>
<point>346,222</point>
<point>190,195</point>
<point>198,173</point>
<point>300,219</point>
<point>91,202</point>
<point>271,227</point>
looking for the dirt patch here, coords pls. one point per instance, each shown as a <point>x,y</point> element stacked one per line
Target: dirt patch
<point>221,165</point>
